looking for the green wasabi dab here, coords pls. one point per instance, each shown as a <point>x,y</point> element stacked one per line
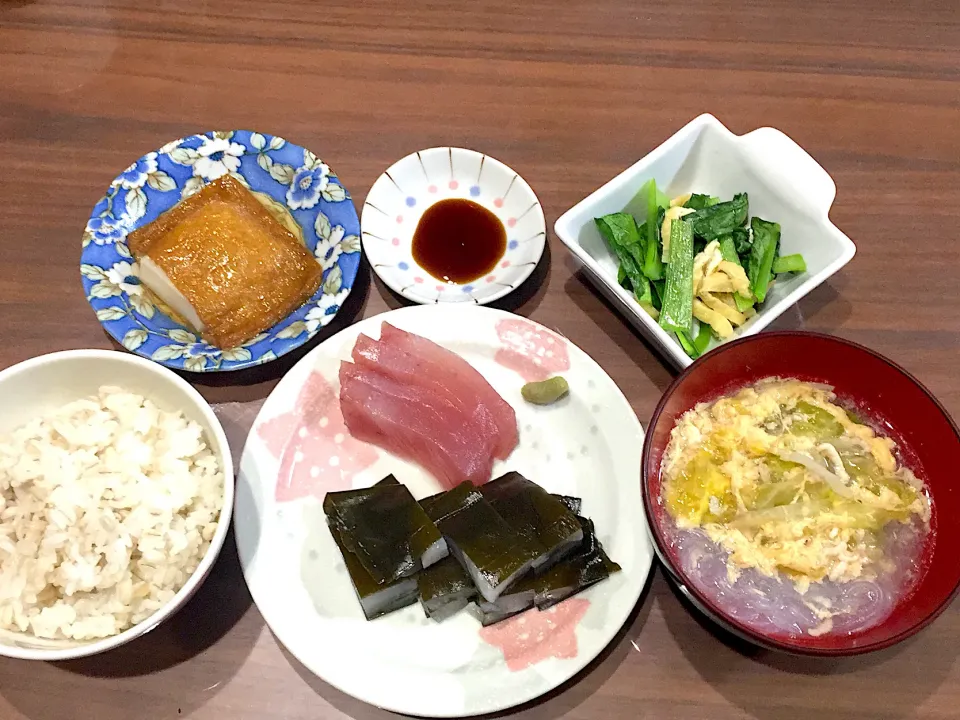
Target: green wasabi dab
<point>545,392</point>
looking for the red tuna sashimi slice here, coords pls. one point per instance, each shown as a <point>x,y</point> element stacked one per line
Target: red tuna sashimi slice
<point>460,375</point>
<point>416,425</point>
<point>395,362</point>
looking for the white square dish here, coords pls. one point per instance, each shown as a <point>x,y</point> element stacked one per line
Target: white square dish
<point>784,184</point>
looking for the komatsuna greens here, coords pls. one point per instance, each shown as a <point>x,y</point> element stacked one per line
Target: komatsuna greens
<point>699,265</point>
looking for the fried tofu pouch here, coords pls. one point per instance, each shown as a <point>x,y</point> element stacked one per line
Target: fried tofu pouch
<point>237,269</point>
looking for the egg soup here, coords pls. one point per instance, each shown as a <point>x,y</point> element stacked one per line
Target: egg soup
<point>789,506</point>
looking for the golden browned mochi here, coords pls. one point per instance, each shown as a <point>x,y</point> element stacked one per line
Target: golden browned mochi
<point>239,269</point>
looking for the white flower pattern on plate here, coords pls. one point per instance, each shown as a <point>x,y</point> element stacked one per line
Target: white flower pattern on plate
<point>307,186</point>
<point>217,158</point>
<point>329,248</point>
<point>123,277</point>
<point>131,313</point>
<point>104,230</point>
<point>119,280</point>
<point>172,145</point>
<point>136,175</point>
<point>324,311</point>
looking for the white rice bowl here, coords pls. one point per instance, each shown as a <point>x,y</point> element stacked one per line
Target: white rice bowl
<point>108,505</point>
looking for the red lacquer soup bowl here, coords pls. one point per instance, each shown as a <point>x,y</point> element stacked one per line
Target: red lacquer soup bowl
<point>887,397</point>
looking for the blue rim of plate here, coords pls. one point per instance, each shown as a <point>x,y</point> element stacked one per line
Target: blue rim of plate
<point>296,187</point>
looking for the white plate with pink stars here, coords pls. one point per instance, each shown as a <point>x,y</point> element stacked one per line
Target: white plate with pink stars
<point>400,196</point>
<point>587,445</point>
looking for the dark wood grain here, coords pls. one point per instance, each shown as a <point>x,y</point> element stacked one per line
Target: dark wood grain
<point>568,93</point>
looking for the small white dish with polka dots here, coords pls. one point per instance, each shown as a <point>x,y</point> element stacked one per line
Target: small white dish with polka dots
<point>588,445</point>
<point>401,203</point>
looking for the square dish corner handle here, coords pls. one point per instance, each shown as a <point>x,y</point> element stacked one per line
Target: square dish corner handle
<point>783,159</point>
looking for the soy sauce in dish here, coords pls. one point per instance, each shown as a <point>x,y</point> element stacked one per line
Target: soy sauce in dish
<point>458,241</point>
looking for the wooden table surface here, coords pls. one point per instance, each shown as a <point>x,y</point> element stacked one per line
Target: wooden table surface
<point>568,93</point>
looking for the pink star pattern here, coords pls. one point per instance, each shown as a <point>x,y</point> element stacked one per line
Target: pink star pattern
<point>534,636</point>
<point>532,352</point>
<point>316,452</point>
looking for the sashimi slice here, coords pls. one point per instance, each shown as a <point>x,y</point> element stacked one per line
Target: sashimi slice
<point>457,373</point>
<point>415,425</point>
<point>404,367</point>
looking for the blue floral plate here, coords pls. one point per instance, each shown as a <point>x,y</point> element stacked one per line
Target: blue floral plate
<point>298,189</point>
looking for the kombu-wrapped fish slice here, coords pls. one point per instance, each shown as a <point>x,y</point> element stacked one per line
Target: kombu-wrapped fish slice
<point>445,588</point>
<point>492,552</point>
<point>386,529</point>
<point>492,617</point>
<point>518,597</point>
<point>536,515</point>
<point>430,503</point>
<point>573,504</point>
<point>515,599</point>
<point>587,566</point>
<point>375,599</point>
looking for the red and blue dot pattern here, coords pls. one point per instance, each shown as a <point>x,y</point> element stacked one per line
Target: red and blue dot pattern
<point>397,200</point>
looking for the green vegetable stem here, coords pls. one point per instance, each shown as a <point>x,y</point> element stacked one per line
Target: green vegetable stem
<point>644,296</point>
<point>702,339</point>
<point>695,346</point>
<point>638,205</point>
<point>677,311</point>
<point>653,265</point>
<point>789,264</point>
<point>729,252</point>
<point>687,343</point>
<point>658,288</point>
<point>766,243</point>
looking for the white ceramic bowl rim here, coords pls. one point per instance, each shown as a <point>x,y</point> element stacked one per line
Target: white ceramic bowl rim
<point>216,544</point>
<point>780,176</point>
<point>415,182</point>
